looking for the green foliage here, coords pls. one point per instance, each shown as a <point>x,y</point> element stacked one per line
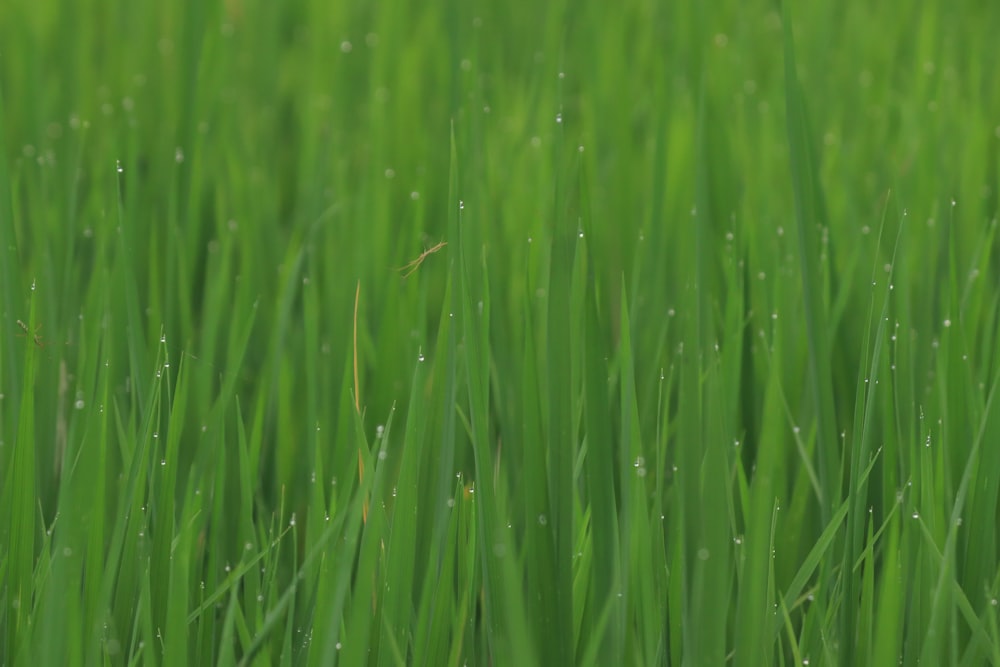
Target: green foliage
<point>499,334</point>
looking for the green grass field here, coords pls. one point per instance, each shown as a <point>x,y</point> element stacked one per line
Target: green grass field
<point>499,333</point>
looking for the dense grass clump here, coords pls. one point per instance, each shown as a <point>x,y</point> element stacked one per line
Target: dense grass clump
<point>450,333</point>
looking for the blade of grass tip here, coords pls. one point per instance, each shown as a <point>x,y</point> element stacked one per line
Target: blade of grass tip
<point>95,610</point>
<point>398,584</point>
<point>641,607</point>
<point>475,321</point>
<point>129,282</point>
<point>561,448</point>
<point>933,640</point>
<point>809,216</point>
<point>860,453</point>
<point>753,605</point>
<point>336,617</point>
<point>599,464</point>
<point>164,553</point>
<point>452,301</point>
<point>363,606</point>
<point>20,498</point>
<point>121,562</point>
<point>178,566</point>
<point>814,558</point>
<point>888,634</point>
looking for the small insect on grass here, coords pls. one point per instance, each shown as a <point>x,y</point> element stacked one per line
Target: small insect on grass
<point>410,267</point>
<point>34,335</point>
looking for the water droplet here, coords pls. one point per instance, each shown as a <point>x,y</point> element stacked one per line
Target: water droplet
<point>345,47</point>
<point>118,164</point>
<point>703,554</point>
<point>79,404</point>
<point>542,520</point>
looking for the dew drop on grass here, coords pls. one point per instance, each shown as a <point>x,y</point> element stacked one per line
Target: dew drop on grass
<point>382,455</point>
<point>703,554</point>
<point>542,520</point>
<point>79,404</point>
<point>118,165</point>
